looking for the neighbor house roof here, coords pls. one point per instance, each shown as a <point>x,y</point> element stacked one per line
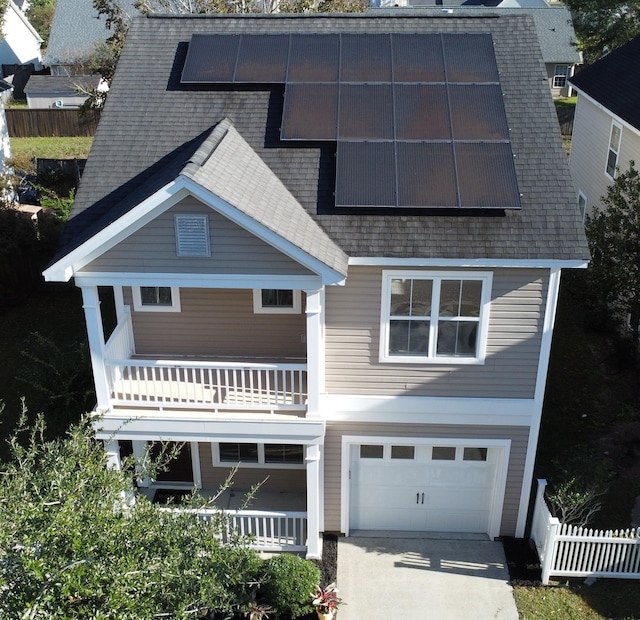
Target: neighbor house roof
<point>614,82</point>
<point>60,84</point>
<point>153,125</point>
<point>75,31</point>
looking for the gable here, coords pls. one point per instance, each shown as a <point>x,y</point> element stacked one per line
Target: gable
<point>233,250</point>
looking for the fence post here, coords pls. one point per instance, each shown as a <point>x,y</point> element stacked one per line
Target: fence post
<point>551,532</point>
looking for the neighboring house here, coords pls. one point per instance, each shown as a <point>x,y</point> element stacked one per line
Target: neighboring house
<point>75,31</point>
<point>606,126</point>
<point>334,264</point>
<point>49,91</point>
<point>20,44</point>
<point>553,24</point>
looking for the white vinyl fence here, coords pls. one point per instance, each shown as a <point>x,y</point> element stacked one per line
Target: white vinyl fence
<point>571,551</point>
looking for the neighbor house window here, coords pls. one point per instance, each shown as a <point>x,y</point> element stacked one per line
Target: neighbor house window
<point>434,317</point>
<point>560,76</point>
<point>582,204</point>
<point>614,149</point>
<point>156,298</point>
<point>276,301</point>
<point>257,454</point>
<point>192,235</point>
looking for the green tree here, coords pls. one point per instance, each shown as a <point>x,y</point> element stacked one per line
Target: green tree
<point>40,15</point>
<point>613,232</point>
<point>74,543</point>
<point>603,25</point>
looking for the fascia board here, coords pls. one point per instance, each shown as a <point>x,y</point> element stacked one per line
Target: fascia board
<point>107,238</point>
<point>466,263</point>
<point>329,275</point>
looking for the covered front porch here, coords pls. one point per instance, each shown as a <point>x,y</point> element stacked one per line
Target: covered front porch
<point>286,512</point>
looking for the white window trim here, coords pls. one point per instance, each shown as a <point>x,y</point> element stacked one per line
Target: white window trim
<point>583,212</point>
<point>616,150</point>
<point>483,324</point>
<point>565,76</point>
<point>206,250</point>
<point>261,464</point>
<point>139,307</point>
<point>258,308</point>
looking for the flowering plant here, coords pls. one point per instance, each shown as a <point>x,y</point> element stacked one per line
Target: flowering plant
<point>326,599</point>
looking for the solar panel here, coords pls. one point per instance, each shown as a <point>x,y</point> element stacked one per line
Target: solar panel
<point>365,112</point>
<point>477,112</point>
<point>263,58</point>
<point>419,119</point>
<point>486,175</point>
<point>421,112</point>
<point>417,58</point>
<point>426,175</point>
<point>211,59</point>
<point>469,58</point>
<point>365,58</point>
<point>358,179</point>
<point>314,58</point>
<point>310,112</point>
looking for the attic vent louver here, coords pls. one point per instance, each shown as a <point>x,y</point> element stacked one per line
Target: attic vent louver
<point>192,235</point>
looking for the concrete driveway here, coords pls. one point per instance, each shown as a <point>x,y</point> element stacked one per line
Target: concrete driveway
<point>435,578</point>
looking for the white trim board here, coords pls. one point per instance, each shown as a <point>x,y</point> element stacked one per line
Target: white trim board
<point>467,263</point>
<point>497,503</point>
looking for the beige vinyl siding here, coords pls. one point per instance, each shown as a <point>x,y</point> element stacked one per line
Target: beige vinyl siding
<point>152,249</point>
<point>513,345</point>
<point>589,150</point>
<point>218,322</point>
<point>278,479</point>
<point>333,454</point>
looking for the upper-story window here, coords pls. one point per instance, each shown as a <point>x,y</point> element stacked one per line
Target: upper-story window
<point>560,76</point>
<point>582,205</point>
<point>276,301</point>
<point>614,149</point>
<point>192,235</point>
<point>156,298</point>
<point>430,317</point>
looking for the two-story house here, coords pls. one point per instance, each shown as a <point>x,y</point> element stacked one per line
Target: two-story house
<point>606,126</point>
<point>335,245</point>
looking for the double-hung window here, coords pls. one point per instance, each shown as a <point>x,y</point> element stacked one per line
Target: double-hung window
<point>156,299</point>
<point>434,317</point>
<point>276,301</point>
<point>561,73</point>
<point>614,149</point>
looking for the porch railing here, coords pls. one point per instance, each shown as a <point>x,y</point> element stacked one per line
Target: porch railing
<point>264,530</point>
<point>201,384</point>
<point>571,551</point>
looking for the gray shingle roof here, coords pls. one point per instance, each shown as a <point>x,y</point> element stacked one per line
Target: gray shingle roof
<point>152,125</point>
<point>614,82</point>
<point>75,30</point>
<point>57,84</point>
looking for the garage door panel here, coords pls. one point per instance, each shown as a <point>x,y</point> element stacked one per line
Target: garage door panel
<point>422,494</point>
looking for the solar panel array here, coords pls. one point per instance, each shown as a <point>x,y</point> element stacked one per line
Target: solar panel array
<point>419,119</point>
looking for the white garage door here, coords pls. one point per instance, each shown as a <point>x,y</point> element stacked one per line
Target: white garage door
<point>443,488</point>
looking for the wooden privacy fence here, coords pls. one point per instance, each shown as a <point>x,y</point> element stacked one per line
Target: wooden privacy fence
<point>571,551</point>
<point>50,123</point>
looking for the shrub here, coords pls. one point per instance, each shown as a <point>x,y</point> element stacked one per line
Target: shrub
<point>289,582</point>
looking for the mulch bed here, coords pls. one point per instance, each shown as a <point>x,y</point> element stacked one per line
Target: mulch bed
<point>522,560</point>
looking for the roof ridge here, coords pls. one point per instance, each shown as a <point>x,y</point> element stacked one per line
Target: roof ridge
<point>207,148</point>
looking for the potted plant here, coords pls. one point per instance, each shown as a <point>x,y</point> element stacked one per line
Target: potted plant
<point>326,601</point>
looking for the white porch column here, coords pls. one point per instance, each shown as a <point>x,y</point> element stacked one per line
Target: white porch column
<point>140,455</point>
<point>314,504</point>
<point>113,454</point>
<point>118,298</point>
<point>315,351</point>
<point>93,318</point>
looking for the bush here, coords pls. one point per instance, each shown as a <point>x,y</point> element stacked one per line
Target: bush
<point>288,584</point>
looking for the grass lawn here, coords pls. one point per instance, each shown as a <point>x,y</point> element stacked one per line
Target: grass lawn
<point>607,599</point>
<point>566,101</point>
<point>24,150</point>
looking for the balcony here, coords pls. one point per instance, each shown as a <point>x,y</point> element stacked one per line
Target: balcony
<point>203,384</point>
